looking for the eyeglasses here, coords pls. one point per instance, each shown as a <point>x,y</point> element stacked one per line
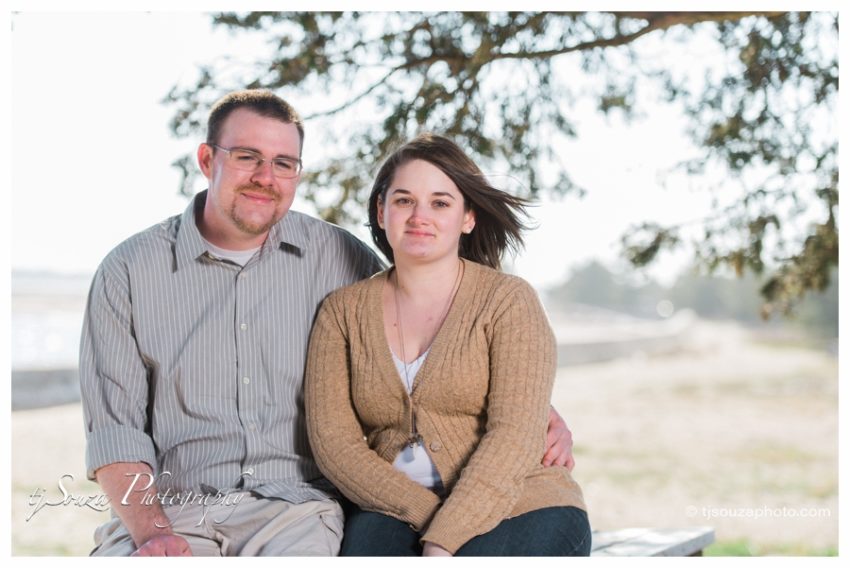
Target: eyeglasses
<point>250,161</point>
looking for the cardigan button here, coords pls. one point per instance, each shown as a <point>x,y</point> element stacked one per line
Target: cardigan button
<point>435,446</point>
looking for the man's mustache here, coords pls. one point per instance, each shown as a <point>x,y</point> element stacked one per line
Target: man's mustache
<point>253,188</point>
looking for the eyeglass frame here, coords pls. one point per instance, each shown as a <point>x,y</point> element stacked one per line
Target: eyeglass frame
<point>262,159</point>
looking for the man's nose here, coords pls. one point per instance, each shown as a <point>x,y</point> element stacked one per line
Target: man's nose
<point>264,174</point>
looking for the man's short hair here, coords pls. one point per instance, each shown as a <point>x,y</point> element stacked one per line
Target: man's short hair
<point>260,101</point>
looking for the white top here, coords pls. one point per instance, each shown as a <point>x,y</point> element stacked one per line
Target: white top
<point>415,461</point>
<point>240,257</point>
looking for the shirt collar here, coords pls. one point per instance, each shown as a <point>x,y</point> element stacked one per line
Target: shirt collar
<point>190,245</point>
<point>287,234</point>
<point>290,232</point>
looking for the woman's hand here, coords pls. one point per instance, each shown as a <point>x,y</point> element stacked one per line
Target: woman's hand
<point>431,549</point>
<point>559,442</point>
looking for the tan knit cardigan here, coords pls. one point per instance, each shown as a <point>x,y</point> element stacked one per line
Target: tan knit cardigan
<point>480,401</point>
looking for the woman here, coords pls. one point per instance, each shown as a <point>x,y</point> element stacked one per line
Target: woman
<point>428,385</point>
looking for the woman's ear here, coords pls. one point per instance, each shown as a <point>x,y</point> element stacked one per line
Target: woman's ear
<point>468,221</point>
<point>381,213</point>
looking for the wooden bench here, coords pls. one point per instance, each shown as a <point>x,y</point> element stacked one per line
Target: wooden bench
<point>652,542</point>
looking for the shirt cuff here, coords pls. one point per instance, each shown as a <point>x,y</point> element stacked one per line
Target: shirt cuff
<point>420,508</point>
<point>118,444</point>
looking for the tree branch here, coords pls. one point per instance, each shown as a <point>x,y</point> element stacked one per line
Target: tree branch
<point>656,21</point>
<point>350,102</point>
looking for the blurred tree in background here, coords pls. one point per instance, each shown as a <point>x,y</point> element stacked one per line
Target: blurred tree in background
<point>711,297</point>
<point>765,119</point>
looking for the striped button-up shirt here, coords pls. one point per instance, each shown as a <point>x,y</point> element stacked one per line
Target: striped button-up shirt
<point>195,365</point>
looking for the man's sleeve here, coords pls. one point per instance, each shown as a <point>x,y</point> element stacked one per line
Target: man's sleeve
<point>113,377</point>
<point>371,264</point>
<point>356,260</point>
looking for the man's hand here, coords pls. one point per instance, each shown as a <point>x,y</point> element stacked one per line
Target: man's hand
<point>559,442</point>
<point>164,545</point>
<point>128,484</point>
<point>431,549</point>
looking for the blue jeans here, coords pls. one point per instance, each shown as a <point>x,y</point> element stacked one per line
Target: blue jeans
<point>554,531</point>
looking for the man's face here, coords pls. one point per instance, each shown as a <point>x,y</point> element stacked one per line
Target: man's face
<point>241,205</point>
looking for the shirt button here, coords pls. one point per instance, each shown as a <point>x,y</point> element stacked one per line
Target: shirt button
<point>249,471</point>
<point>243,326</point>
<point>252,427</point>
<point>246,380</point>
<point>435,446</point>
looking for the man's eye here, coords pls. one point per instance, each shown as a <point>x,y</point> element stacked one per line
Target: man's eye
<point>244,157</point>
<point>285,165</point>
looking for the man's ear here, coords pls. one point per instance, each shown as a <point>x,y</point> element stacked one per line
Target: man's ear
<point>205,155</point>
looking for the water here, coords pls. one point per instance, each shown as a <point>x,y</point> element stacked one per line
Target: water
<point>47,317</point>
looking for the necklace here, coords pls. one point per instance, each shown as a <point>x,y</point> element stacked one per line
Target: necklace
<point>414,439</point>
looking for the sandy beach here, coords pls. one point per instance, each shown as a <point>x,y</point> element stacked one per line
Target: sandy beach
<point>732,431</point>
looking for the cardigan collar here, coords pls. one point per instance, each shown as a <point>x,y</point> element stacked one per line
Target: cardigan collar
<point>454,317</point>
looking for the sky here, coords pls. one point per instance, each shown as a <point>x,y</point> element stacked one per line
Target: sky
<point>108,174</point>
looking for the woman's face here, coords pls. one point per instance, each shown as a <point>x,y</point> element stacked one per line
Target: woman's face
<point>423,213</point>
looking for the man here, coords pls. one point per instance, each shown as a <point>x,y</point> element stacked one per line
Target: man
<point>193,351</point>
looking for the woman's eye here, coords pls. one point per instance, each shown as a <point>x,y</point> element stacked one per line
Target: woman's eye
<point>441,204</point>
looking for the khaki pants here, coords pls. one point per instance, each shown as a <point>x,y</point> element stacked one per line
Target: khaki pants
<point>255,526</point>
